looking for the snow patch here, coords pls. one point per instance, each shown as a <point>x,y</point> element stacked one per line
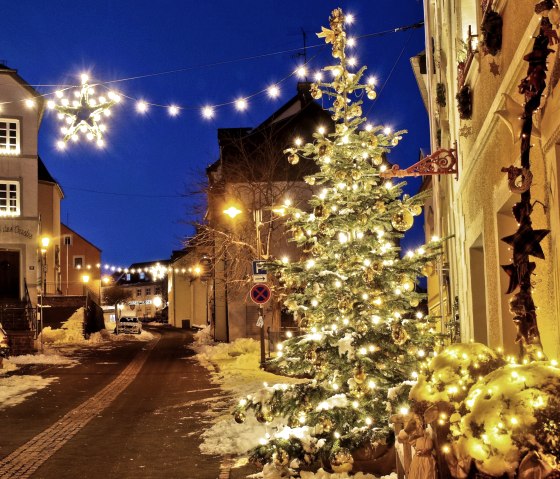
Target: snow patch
<point>16,389</point>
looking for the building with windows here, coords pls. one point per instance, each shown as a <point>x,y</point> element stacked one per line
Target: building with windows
<point>147,284</point>
<point>471,74</point>
<point>251,180</point>
<point>80,263</point>
<point>31,268</point>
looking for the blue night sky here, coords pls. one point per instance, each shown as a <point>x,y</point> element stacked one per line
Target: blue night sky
<point>131,198</point>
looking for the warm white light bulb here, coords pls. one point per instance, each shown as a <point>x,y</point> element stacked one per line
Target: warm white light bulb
<point>84,77</point>
<point>352,61</point>
<point>60,145</point>
<point>241,104</point>
<point>208,112</point>
<point>141,106</point>
<point>173,110</point>
<point>29,103</point>
<point>301,72</point>
<point>298,141</point>
<point>273,91</point>
<point>318,76</point>
<point>351,42</point>
<point>349,19</point>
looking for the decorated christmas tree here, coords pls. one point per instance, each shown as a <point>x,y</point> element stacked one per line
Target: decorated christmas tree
<point>353,293</point>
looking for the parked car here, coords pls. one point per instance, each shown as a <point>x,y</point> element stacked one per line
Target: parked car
<point>129,325</point>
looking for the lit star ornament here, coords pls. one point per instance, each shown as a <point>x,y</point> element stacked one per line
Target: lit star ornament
<point>83,115</point>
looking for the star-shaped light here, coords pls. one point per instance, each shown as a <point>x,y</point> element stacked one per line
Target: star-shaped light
<point>512,116</point>
<point>83,115</point>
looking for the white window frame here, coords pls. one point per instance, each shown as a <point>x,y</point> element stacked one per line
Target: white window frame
<point>6,148</point>
<point>5,208</point>
<point>67,240</point>
<point>83,258</point>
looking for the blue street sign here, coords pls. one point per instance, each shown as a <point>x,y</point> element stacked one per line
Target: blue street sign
<point>258,267</point>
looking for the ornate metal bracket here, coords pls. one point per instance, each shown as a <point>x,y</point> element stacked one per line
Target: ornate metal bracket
<point>441,162</point>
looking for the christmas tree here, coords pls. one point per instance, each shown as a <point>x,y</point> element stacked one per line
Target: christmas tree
<point>353,293</point>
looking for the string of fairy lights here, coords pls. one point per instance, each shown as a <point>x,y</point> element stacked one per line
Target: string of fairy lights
<point>84,110</point>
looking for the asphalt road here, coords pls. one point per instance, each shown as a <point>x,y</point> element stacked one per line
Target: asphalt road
<point>131,410</point>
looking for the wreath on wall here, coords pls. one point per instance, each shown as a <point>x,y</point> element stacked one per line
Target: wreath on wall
<point>491,30</point>
<point>464,102</point>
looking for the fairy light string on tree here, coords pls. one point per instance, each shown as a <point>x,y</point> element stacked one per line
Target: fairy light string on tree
<point>352,293</point>
<point>525,241</point>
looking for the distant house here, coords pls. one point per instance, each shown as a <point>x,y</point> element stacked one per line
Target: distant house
<point>80,262</point>
<point>254,176</point>
<point>147,283</point>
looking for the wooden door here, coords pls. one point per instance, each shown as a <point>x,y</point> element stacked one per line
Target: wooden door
<point>9,276</point>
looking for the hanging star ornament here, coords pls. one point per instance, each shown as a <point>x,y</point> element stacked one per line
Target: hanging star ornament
<point>515,275</point>
<point>83,115</point>
<point>526,241</point>
<point>512,116</point>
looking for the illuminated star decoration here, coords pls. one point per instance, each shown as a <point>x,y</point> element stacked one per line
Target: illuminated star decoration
<point>84,114</point>
<point>512,116</point>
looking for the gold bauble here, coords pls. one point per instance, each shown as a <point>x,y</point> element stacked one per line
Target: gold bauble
<point>359,375</point>
<point>399,334</point>
<point>428,269</point>
<point>311,355</point>
<point>403,220</point>
<point>263,416</point>
<point>239,417</point>
<point>310,180</point>
<point>415,210</point>
<point>371,94</point>
<point>377,266</point>
<point>338,103</point>
<point>414,302</point>
<point>406,283</point>
<point>340,176</point>
<point>356,174</point>
<point>293,159</point>
<point>377,160</point>
<point>341,460</point>
<point>326,424</point>
<point>374,141</point>
<point>380,207</point>
<point>344,305</point>
<point>316,93</point>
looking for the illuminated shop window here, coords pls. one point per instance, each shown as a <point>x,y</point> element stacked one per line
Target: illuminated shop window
<point>9,198</point>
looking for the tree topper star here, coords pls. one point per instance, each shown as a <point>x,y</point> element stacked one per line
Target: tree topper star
<point>84,114</point>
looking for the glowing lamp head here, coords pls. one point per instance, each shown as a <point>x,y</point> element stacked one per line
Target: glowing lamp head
<point>85,278</point>
<point>232,212</point>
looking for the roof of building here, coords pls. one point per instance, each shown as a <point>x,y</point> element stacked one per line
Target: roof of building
<point>263,146</point>
<point>12,72</point>
<point>78,234</point>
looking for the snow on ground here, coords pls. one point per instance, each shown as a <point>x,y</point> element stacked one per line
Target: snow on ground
<point>15,389</point>
<point>59,345</point>
<point>235,367</point>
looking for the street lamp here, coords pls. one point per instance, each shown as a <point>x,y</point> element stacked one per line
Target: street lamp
<point>233,212</point>
<point>45,241</point>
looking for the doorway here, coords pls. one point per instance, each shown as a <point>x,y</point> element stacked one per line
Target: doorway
<point>9,276</point>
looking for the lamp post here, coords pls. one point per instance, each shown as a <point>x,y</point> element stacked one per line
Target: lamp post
<point>45,241</point>
<point>233,212</point>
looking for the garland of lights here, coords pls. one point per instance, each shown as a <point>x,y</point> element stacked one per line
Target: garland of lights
<point>82,115</point>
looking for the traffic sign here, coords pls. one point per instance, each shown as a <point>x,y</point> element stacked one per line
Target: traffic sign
<point>260,278</point>
<point>258,267</point>
<point>260,293</point>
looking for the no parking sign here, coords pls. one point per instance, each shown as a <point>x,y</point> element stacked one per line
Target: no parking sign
<point>260,293</point>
